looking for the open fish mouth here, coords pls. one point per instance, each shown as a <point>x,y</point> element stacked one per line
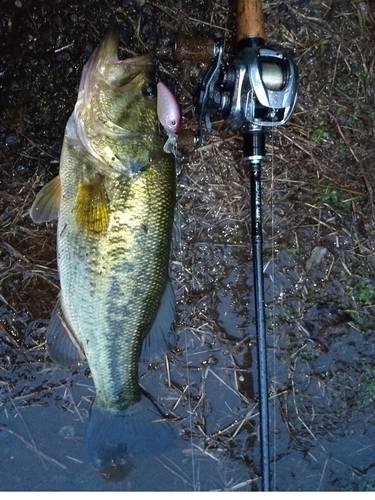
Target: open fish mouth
<point>106,62</point>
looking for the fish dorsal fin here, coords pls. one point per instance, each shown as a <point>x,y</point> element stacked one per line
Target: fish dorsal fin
<point>47,202</point>
<point>162,334</point>
<point>91,210</point>
<point>63,347</point>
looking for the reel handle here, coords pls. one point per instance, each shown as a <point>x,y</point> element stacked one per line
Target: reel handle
<point>249,19</point>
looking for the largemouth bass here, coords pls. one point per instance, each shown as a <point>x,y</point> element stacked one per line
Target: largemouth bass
<point>114,198</point>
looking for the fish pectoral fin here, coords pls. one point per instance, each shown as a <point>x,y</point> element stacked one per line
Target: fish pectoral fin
<point>162,335</point>
<point>63,347</point>
<point>47,202</point>
<point>91,210</point>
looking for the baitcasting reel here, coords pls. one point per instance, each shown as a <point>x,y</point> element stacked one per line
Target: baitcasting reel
<point>258,88</point>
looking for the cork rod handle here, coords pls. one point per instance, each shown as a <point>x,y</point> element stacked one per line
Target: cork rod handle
<point>249,19</point>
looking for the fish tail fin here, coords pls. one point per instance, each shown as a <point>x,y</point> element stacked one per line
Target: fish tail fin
<point>116,440</point>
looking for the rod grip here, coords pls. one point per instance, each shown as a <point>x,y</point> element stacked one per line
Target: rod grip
<point>249,19</point>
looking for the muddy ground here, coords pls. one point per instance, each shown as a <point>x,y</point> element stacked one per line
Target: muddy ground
<point>319,246</point>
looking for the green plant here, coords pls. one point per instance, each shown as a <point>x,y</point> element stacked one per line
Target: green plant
<point>319,133</point>
<point>324,44</point>
<point>329,195</point>
<point>365,294</point>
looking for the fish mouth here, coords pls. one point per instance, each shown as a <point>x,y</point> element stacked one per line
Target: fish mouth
<point>104,69</point>
<point>105,64</point>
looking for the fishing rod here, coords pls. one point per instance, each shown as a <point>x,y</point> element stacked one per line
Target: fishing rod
<point>258,89</point>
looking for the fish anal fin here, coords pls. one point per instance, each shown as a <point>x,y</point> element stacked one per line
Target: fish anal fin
<point>47,202</point>
<point>62,344</point>
<point>91,210</point>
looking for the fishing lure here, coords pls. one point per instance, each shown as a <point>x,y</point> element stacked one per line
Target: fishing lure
<point>169,115</point>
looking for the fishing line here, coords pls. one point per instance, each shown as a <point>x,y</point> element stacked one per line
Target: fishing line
<point>189,409</point>
<point>185,330</point>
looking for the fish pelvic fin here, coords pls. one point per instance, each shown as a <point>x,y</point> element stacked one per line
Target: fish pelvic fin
<point>47,202</point>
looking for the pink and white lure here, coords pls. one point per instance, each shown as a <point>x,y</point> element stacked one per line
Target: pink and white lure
<point>169,116</point>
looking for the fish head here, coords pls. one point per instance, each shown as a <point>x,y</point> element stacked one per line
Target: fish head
<point>117,101</point>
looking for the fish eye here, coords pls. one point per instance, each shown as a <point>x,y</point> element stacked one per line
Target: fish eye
<point>149,91</point>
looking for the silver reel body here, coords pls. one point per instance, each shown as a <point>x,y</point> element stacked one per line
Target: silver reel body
<point>259,88</point>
